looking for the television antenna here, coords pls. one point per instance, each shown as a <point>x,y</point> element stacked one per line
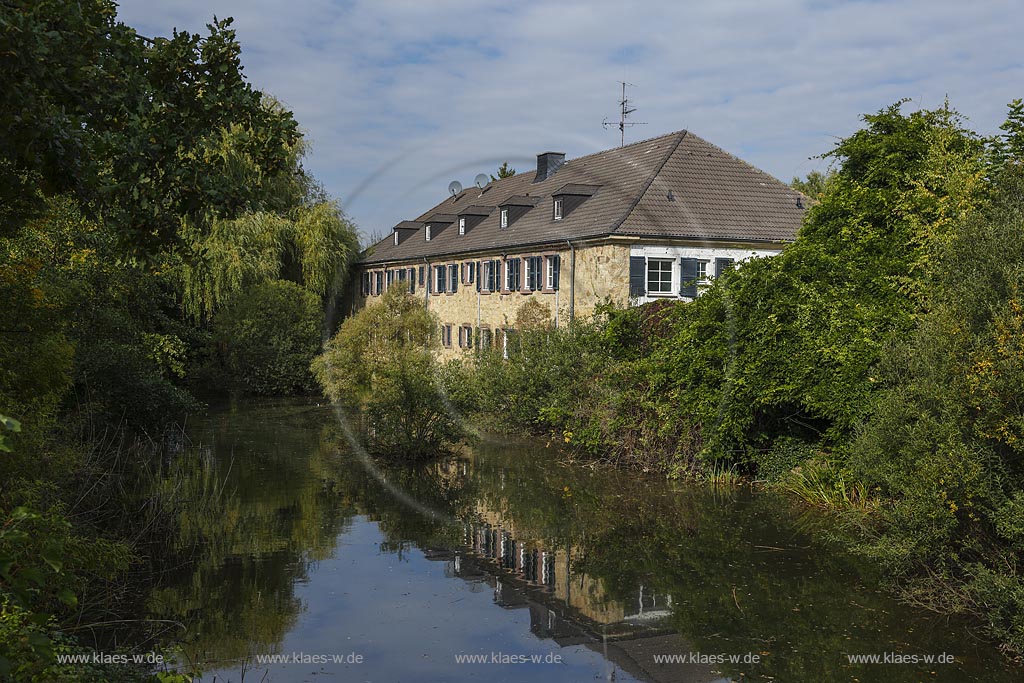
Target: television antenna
<point>624,112</point>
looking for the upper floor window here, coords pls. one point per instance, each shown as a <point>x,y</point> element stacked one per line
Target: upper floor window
<point>462,226</point>
<point>558,209</point>
<point>659,276</point>
<point>426,232</point>
<point>504,218</point>
<point>396,238</point>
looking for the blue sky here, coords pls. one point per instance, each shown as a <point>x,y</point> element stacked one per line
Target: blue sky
<point>401,97</point>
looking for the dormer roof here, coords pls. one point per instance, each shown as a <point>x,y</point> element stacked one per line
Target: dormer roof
<point>676,186</point>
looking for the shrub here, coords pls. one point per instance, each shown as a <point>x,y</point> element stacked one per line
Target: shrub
<point>381,361</point>
<point>269,335</point>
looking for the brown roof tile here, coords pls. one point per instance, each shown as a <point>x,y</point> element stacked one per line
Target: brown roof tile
<point>716,196</point>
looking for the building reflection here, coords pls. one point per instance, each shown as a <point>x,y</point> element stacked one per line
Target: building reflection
<point>569,607</point>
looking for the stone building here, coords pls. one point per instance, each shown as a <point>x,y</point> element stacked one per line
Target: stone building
<point>650,220</point>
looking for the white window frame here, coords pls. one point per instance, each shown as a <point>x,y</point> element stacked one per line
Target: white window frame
<point>702,271</point>
<point>485,274</point>
<point>462,225</point>
<point>503,217</point>
<point>440,278</point>
<point>558,209</point>
<point>663,263</point>
<point>549,272</point>
<point>426,232</point>
<point>508,276</point>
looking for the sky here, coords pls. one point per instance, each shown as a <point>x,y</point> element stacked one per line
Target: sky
<point>399,98</point>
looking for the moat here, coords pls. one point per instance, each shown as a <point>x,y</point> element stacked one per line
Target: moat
<point>504,563</point>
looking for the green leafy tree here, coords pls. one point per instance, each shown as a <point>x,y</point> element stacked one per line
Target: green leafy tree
<point>270,335</point>
<point>813,185</point>
<point>381,361</point>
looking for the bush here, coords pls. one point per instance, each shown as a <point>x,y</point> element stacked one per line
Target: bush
<point>269,335</point>
<point>381,361</point>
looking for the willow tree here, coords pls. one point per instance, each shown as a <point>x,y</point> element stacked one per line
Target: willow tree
<point>287,229</point>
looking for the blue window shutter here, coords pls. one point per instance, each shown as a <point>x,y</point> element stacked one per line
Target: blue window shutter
<point>557,268</point>
<point>688,277</point>
<point>454,273</point>
<point>517,271</point>
<point>478,275</point>
<point>637,275</point>
<point>722,265</point>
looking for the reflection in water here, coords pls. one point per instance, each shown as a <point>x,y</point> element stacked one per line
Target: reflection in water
<point>288,544</point>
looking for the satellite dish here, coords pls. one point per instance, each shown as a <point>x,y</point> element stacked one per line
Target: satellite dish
<point>454,187</point>
<point>481,180</point>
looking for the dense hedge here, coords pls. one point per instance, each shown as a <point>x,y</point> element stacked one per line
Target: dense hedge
<point>874,367</point>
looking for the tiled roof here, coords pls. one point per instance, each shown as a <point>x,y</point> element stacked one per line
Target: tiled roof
<point>576,189</point>
<point>714,195</point>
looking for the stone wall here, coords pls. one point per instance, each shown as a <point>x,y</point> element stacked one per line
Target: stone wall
<point>601,272</point>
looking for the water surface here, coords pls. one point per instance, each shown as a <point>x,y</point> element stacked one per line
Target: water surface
<point>297,549</point>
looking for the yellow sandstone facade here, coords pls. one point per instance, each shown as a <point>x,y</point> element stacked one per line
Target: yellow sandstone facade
<point>657,219</point>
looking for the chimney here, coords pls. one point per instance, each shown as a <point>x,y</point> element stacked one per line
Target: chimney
<point>547,164</point>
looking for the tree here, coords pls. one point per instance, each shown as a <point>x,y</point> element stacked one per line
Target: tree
<point>503,172</point>
<point>381,361</point>
<point>270,334</point>
<point>813,185</point>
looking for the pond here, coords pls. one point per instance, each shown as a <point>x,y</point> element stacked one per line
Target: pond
<point>302,561</point>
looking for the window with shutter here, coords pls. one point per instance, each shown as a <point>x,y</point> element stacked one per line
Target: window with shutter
<point>688,277</point>
<point>637,273</point>
<point>453,276</point>
<point>722,265</point>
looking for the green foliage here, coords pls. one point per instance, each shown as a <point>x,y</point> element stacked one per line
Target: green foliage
<point>1008,148</point>
<point>380,360</point>
<point>269,335</point>
<point>140,179</point>
<point>7,424</point>
<point>503,172</point>
<point>875,365</point>
<point>813,185</point>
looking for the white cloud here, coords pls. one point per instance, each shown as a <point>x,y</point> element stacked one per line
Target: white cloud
<point>399,98</point>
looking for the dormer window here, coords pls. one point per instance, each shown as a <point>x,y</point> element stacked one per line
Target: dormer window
<point>558,209</point>
<point>462,225</point>
<point>504,218</point>
<point>396,238</point>
<point>426,233</point>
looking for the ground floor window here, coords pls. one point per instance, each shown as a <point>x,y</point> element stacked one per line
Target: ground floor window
<point>446,334</point>
<point>659,276</point>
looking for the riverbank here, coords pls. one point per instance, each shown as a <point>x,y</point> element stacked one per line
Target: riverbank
<point>874,368</point>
